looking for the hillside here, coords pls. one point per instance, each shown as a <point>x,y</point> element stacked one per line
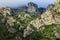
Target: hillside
<point>30,22</point>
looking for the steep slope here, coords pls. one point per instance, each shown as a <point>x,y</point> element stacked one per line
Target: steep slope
<point>24,26</point>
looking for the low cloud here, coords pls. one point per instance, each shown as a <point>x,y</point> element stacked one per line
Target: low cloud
<point>16,3</point>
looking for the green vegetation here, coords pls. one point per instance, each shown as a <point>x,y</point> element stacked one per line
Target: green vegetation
<point>14,23</point>
<point>45,34</point>
<point>58,13</point>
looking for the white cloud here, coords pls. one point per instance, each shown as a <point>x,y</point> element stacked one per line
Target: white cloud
<point>23,2</point>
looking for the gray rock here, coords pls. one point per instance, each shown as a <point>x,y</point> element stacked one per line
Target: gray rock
<point>12,30</point>
<point>27,32</point>
<point>32,7</point>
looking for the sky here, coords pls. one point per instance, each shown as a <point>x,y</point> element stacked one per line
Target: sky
<point>17,3</point>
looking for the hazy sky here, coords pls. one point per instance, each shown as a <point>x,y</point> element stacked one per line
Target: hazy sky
<point>16,3</point>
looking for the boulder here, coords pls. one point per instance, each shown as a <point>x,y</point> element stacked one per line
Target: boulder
<point>12,30</point>
<point>27,32</point>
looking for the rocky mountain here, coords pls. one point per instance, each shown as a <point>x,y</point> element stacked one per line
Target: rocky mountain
<point>32,7</point>
<point>30,22</point>
<point>57,6</point>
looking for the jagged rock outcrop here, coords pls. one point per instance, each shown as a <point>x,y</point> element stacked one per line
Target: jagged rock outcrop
<point>57,19</point>
<point>57,10</point>
<point>57,6</point>
<point>11,21</point>
<point>23,15</point>
<point>5,11</point>
<point>32,7</point>
<point>48,17</point>
<point>37,23</point>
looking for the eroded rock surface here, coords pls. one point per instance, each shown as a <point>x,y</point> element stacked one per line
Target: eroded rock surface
<point>37,23</point>
<point>48,17</point>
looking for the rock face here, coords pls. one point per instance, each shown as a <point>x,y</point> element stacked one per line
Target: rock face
<point>6,11</point>
<point>57,6</point>
<point>3,13</point>
<point>32,7</point>
<point>27,32</point>
<point>57,9</point>
<point>37,23</point>
<point>57,19</point>
<point>23,15</point>
<point>11,21</point>
<point>48,17</point>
